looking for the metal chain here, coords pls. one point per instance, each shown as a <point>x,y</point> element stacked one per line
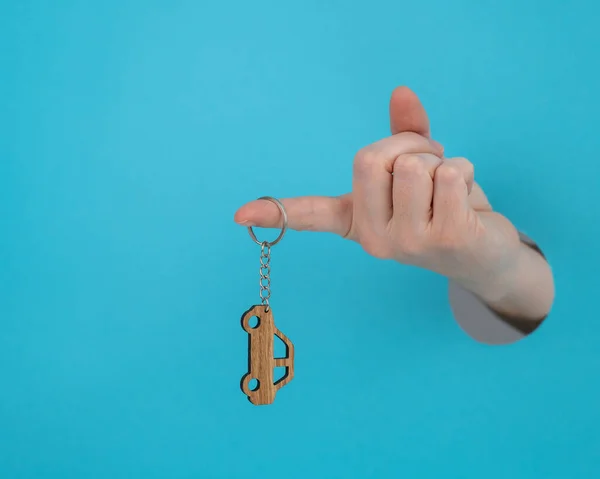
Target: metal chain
<point>265,274</point>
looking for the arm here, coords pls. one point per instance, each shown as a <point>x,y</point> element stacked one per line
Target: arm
<point>412,204</point>
<point>524,292</point>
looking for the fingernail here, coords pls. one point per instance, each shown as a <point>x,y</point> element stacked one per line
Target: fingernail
<point>245,223</point>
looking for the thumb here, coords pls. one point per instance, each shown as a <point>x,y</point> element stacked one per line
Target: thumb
<point>407,113</point>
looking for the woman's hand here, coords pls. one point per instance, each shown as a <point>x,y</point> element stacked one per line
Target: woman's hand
<point>411,205</point>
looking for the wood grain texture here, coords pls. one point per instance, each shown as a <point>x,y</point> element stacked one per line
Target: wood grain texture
<point>261,360</point>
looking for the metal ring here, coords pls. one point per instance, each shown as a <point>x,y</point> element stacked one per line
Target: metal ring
<point>283,227</point>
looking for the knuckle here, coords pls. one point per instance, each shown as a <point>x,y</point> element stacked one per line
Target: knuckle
<point>307,220</point>
<point>467,164</point>
<point>448,173</point>
<point>409,164</point>
<point>365,160</point>
<point>467,167</point>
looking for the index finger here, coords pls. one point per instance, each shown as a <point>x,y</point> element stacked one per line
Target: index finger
<point>305,213</point>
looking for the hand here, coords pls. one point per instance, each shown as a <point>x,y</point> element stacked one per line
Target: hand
<point>410,204</point>
<point>406,203</point>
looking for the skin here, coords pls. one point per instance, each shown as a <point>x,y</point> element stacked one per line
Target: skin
<point>412,205</point>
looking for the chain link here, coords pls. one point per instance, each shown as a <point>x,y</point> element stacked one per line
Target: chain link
<point>265,274</point>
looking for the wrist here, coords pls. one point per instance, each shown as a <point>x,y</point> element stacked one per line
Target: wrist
<point>493,260</point>
<point>524,288</point>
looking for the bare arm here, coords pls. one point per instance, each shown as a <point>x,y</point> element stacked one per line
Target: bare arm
<point>525,291</point>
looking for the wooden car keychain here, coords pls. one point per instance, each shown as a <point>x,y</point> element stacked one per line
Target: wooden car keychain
<point>259,324</point>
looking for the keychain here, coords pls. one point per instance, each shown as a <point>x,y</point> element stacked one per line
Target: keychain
<point>258,323</point>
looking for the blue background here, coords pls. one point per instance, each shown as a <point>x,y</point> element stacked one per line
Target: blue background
<point>131,131</point>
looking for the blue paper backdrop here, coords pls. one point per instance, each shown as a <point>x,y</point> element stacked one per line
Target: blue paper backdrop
<point>130,131</point>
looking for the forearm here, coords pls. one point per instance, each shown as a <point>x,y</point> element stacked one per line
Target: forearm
<point>525,290</point>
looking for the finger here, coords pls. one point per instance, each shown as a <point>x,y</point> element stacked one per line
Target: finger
<point>413,191</point>
<point>372,179</point>
<point>478,199</point>
<point>306,213</point>
<point>407,113</point>
<point>452,182</point>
